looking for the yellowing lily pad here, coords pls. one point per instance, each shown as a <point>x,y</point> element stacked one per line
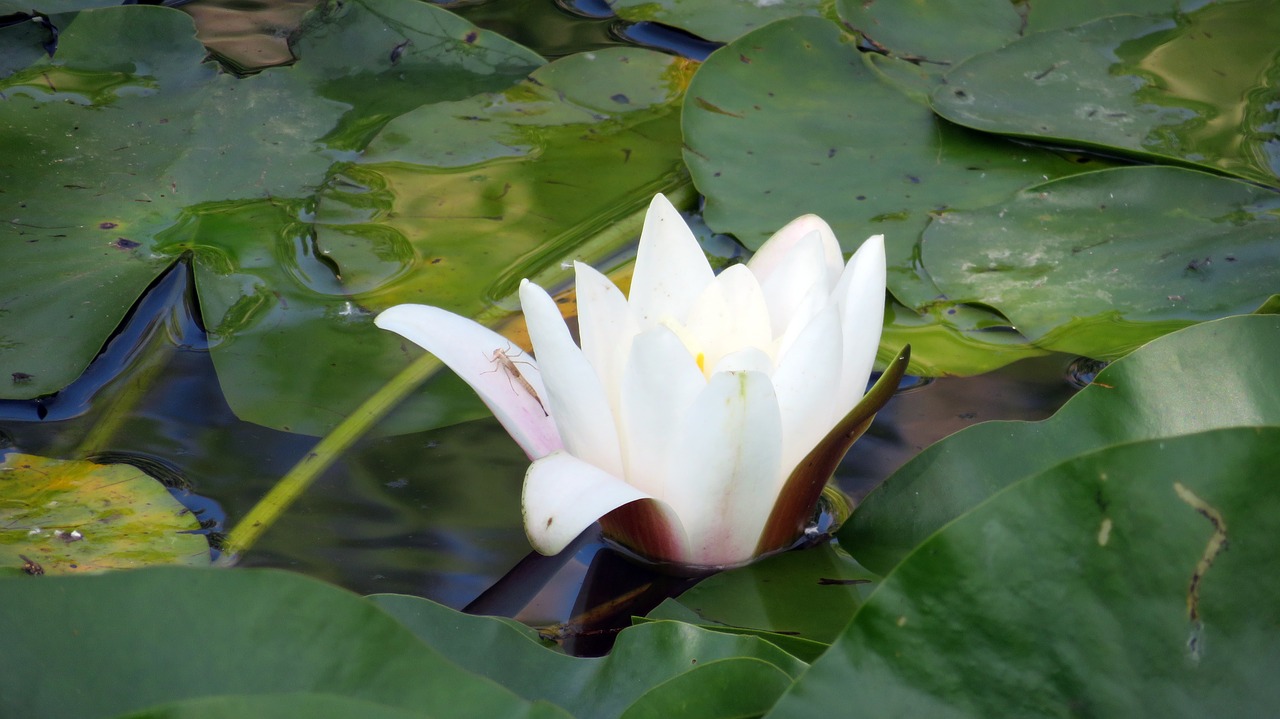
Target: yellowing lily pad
<point>66,516</point>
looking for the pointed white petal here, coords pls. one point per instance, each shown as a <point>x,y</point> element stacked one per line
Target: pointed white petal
<point>564,495</point>
<point>731,314</point>
<point>574,394</point>
<point>814,301</point>
<point>671,270</point>
<point>772,253</point>
<point>661,381</point>
<point>805,382</point>
<point>605,329</point>
<point>468,349</point>
<point>724,473</point>
<point>793,277</point>
<point>860,298</point>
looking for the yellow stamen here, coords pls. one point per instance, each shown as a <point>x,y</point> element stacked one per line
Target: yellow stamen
<point>702,360</point>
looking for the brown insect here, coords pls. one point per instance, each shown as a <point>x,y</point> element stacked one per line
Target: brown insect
<point>503,361</point>
<point>30,566</point>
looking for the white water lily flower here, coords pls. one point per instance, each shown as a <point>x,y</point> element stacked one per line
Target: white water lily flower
<point>700,417</point>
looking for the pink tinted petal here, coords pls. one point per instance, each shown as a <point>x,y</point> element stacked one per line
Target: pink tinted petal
<point>804,381</point>
<point>772,253</point>
<point>468,349</point>
<point>564,495</point>
<point>724,474</point>
<point>659,384</point>
<point>604,328</point>
<point>860,298</point>
<point>574,394</point>
<point>670,271</point>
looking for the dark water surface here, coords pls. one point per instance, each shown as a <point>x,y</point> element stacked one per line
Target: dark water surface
<point>435,514</point>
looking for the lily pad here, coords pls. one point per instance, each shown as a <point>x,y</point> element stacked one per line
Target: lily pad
<point>792,118</point>
<point>936,32</point>
<point>717,20</point>
<point>151,140</point>
<point>1201,90</point>
<point>71,516</point>
<point>1213,375</point>
<point>1100,263</point>
<point>103,645</point>
<point>645,658</point>
<point>1133,581</point>
<point>808,595</point>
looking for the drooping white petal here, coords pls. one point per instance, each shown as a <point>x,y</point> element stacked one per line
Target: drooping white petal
<point>670,270</point>
<point>776,249</point>
<point>725,467</point>
<point>564,495</point>
<point>605,329</point>
<point>859,295</point>
<point>468,349</point>
<point>804,382</point>
<point>574,394</point>
<point>659,384</point>
<point>793,277</point>
<point>730,314</point>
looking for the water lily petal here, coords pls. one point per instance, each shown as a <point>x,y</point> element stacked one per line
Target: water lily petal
<point>803,381</point>
<point>731,313</point>
<point>793,277</point>
<point>670,271</point>
<point>605,329</point>
<point>747,359</point>
<point>564,495</point>
<point>724,471</point>
<point>777,248</point>
<point>659,384</point>
<point>859,296</point>
<point>574,395</point>
<point>468,347</point>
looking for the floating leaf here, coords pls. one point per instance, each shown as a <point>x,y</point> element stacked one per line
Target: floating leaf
<point>1200,90</point>
<point>645,658</point>
<point>938,32</point>
<point>792,118</point>
<point>1138,580</point>
<point>100,646</point>
<point>716,20</point>
<point>69,516</point>
<point>1212,375</point>
<point>129,150</point>
<point>1100,263</point>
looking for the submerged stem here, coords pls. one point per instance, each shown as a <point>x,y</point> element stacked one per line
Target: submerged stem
<point>269,508</point>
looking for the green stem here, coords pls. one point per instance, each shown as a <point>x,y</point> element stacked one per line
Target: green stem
<point>293,484</point>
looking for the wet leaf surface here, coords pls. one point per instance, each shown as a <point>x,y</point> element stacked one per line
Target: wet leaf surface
<point>73,516</point>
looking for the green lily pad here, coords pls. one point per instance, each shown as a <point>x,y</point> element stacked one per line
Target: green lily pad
<point>646,658</point>
<point>313,705</point>
<point>1138,580</point>
<point>1100,263</point>
<point>1213,375</point>
<point>792,118</point>
<point>1201,90</point>
<point>809,595</point>
<point>104,645</point>
<point>937,32</point>
<point>71,516</point>
<point>718,20</point>
<point>952,340</point>
<point>131,151</point>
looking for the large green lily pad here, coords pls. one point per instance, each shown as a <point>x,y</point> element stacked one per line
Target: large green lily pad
<point>936,32</point>
<point>125,141</point>
<point>1138,580</point>
<point>792,118</point>
<point>717,20</point>
<point>103,645</point>
<point>69,516</point>
<point>645,659</point>
<point>1201,90</point>
<point>1213,375</point>
<point>1100,263</point>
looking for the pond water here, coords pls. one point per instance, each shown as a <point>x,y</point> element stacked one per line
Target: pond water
<point>435,514</point>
